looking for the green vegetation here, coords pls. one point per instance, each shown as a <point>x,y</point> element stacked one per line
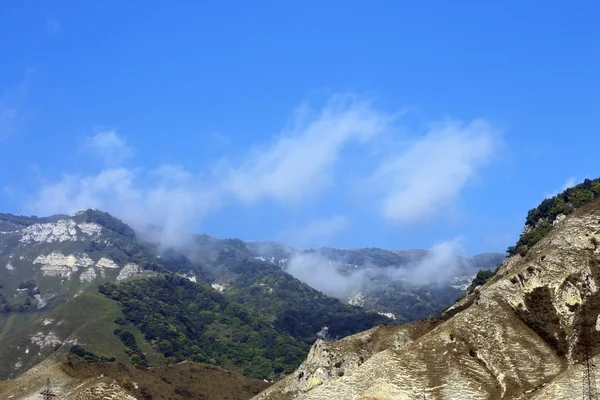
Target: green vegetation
<point>539,220</point>
<point>262,325</point>
<point>187,321</point>
<point>481,278</point>
<point>410,303</point>
<point>10,222</point>
<point>137,356</point>
<point>293,306</point>
<point>119,242</point>
<point>371,255</point>
<point>23,301</point>
<point>80,353</point>
<point>540,315</point>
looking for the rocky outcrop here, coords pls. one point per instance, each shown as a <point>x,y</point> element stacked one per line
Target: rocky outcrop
<point>106,263</point>
<point>357,299</point>
<point>219,287</point>
<point>29,385</point>
<point>190,276</point>
<point>58,264</point>
<point>330,360</point>
<point>517,337</point>
<point>88,275</point>
<point>101,391</point>
<point>61,231</point>
<point>128,271</point>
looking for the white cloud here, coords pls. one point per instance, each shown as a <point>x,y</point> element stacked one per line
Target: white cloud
<point>171,204</point>
<point>172,174</point>
<point>317,232</point>
<point>439,266</point>
<point>109,146</point>
<point>299,162</point>
<point>426,178</point>
<point>569,183</point>
<point>52,25</point>
<point>320,273</point>
<point>73,193</point>
<point>412,184</point>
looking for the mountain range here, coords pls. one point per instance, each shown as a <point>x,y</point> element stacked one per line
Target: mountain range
<point>88,286</point>
<point>105,313</point>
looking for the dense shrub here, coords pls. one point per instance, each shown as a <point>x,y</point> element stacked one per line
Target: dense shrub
<point>80,353</point>
<point>482,277</point>
<point>539,220</point>
<point>187,321</point>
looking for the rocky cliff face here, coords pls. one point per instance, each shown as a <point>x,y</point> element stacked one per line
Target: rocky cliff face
<point>519,336</point>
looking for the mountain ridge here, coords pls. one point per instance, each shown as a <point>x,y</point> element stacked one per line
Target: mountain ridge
<point>51,269</point>
<point>59,263</point>
<point>518,336</point>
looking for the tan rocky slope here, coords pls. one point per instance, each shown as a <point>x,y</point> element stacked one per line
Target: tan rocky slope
<point>519,336</point>
<point>78,380</point>
<point>29,385</point>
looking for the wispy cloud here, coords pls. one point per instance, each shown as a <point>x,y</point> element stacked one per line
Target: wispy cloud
<point>174,205</point>
<point>52,25</point>
<point>110,147</point>
<point>317,232</point>
<point>410,184</point>
<point>570,182</point>
<point>438,266</point>
<point>425,179</point>
<point>299,162</point>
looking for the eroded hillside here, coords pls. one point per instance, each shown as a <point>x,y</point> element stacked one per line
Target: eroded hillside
<point>518,336</point>
<point>76,380</point>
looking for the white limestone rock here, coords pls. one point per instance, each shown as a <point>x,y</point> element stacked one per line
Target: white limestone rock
<point>44,340</point>
<point>90,228</point>
<point>128,271</point>
<point>219,287</point>
<point>387,314</point>
<point>57,264</point>
<point>106,263</point>
<point>357,299</point>
<point>60,231</point>
<point>42,301</point>
<point>88,275</point>
<point>462,282</point>
<point>189,276</point>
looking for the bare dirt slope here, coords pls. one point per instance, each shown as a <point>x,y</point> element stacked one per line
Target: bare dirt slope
<point>518,337</point>
<point>115,381</point>
<point>29,385</point>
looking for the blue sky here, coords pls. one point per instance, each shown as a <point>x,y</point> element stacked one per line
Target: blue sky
<point>389,124</point>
